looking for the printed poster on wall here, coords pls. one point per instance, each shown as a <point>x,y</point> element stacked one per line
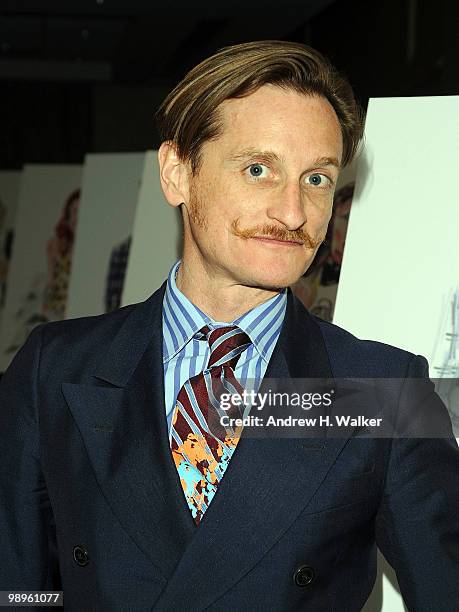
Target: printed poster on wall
<point>318,287</point>
<point>402,241</point>
<point>39,273</point>
<point>156,239</point>
<point>110,190</point>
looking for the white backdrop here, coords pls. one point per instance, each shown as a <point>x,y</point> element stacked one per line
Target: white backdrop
<point>110,190</point>
<point>403,233</point>
<point>401,261</point>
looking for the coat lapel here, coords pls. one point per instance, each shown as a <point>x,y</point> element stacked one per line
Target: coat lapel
<point>123,422</point>
<point>267,484</point>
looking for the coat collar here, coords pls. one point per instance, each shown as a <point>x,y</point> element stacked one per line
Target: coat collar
<point>300,342</point>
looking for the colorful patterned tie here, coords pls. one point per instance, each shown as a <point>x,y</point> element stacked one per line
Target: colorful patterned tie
<point>201,446</point>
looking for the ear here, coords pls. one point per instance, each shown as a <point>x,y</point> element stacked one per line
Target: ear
<point>173,173</point>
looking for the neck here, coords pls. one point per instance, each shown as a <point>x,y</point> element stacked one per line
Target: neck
<point>221,299</point>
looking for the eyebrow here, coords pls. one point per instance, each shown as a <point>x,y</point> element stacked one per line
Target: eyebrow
<point>274,157</point>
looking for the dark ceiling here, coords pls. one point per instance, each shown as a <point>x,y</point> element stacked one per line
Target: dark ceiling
<point>135,41</point>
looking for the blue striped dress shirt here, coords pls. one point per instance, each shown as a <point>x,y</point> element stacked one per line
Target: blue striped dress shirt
<point>185,356</point>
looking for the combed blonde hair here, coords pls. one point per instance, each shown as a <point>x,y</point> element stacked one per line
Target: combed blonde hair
<point>190,113</point>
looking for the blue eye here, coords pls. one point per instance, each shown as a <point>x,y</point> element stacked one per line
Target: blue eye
<point>256,170</point>
<point>318,180</point>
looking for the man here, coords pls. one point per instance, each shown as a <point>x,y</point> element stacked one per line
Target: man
<point>117,477</point>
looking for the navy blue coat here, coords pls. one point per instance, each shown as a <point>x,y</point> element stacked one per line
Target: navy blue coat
<point>90,500</point>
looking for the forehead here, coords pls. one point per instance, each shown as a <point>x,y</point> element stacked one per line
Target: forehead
<point>284,120</point>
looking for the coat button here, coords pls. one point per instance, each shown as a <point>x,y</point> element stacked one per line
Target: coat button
<point>80,555</point>
<point>303,576</point>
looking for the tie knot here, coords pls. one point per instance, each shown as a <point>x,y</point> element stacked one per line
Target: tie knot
<point>226,344</point>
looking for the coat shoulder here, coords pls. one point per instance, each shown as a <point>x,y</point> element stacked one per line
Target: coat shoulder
<point>349,354</point>
<point>73,348</point>
<point>83,329</point>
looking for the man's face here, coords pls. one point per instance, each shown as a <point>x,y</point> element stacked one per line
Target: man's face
<point>261,201</point>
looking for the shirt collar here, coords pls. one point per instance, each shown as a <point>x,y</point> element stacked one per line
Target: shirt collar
<point>182,320</point>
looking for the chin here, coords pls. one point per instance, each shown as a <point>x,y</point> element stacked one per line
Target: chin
<point>270,273</point>
<point>270,280</point>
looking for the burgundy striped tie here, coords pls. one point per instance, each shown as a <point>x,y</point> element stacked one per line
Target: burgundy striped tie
<point>201,446</point>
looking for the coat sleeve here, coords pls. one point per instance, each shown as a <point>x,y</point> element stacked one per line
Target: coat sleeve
<point>417,524</point>
<point>27,531</point>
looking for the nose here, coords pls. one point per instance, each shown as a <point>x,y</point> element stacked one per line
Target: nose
<point>289,208</point>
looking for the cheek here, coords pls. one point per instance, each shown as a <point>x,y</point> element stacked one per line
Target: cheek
<point>321,220</point>
<point>319,207</point>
